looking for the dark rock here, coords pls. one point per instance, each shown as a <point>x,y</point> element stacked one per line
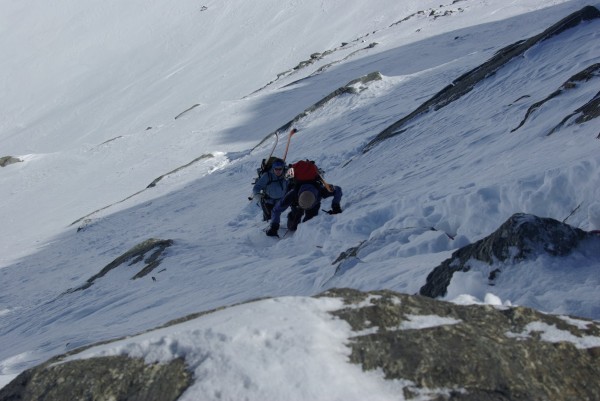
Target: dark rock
<point>353,87</point>
<point>465,83</point>
<point>105,378</point>
<point>587,112</point>
<point>476,352</point>
<point>134,256</point>
<point>151,185</point>
<point>197,159</point>
<point>186,110</point>
<point>521,236</point>
<point>439,349</point>
<point>6,160</point>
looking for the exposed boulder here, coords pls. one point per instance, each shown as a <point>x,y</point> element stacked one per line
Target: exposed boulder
<point>520,237</point>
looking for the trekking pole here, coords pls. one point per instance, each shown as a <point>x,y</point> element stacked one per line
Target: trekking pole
<point>274,145</point>
<point>287,146</point>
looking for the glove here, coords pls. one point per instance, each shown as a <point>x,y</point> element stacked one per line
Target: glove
<point>335,209</point>
<point>272,232</point>
<point>256,197</point>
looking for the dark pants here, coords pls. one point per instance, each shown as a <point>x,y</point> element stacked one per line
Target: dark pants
<point>295,216</point>
<point>267,207</point>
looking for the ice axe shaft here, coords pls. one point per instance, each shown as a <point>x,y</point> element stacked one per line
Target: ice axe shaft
<point>287,146</point>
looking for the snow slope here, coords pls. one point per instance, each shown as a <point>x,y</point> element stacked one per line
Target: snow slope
<point>90,107</point>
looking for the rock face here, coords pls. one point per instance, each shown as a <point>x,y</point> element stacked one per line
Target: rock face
<point>465,83</point>
<point>135,256</point>
<point>521,236</point>
<point>585,113</point>
<point>107,378</point>
<point>6,160</point>
<point>353,87</point>
<point>475,353</point>
<point>439,350</point>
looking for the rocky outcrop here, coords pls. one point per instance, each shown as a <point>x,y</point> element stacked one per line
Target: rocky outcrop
<point>6,160</point>
<point>197,159</point>
<point>443,10</point>
<point>106,378</point>
<point>465,83</point>
<point>471,353</point>
<point>520,237</point>
<point>135,255</point>
<point>435,349</point>
<point>186,110</point>
<point>86,219</point>
<point>587,112</point>
<point>353,87</point>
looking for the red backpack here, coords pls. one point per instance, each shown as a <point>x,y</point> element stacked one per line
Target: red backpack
<point>305,170</point>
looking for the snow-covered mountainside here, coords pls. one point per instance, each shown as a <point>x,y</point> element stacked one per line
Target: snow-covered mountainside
<point>101,99</point>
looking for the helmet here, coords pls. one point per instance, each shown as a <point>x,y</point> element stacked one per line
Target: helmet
<point>306,200</point>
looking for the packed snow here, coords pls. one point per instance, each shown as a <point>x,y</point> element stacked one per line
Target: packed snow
<point>102,98</point>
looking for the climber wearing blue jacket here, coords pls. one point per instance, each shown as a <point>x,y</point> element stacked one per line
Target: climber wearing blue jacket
<point>270,187</point>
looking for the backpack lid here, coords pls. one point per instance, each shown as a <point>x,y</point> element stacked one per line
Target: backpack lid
<point>305,170</point>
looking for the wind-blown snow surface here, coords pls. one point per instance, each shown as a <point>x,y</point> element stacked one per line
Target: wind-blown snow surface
<point>90,96</point>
